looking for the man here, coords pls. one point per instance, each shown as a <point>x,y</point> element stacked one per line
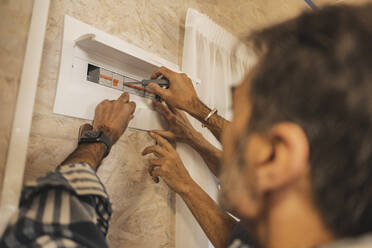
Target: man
<point>70,207</point>
<point>216,223</point>
<point>296,157</point>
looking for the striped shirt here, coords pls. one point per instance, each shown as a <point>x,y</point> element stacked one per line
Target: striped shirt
<point>66,208</point>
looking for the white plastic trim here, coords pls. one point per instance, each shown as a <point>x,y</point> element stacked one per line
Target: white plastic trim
<point>17,152</point>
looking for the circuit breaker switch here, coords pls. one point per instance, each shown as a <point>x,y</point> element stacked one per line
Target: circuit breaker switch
<point>117,82</point>
<point>105,77</point>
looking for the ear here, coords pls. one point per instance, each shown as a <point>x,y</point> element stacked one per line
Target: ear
<point>288,160</point>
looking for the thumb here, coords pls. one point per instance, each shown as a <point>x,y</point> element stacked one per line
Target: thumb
<point>165,134</point>
<point>158,90</point>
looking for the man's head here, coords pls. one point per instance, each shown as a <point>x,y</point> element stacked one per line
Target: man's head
<point>302,128</point>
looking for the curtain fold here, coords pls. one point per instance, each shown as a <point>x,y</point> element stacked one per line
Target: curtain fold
<point>216,57</point>
<point>219,60</point>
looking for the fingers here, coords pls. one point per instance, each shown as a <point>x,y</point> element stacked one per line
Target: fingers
<point>102,104</point>
<point>157,150</point>
<point>163,93</point>
<point>161,141</point>
<point>156,173</point>
<point>124,97</point>
<point>155,169</point>
<point>154,163</point>
<point>84,127</point>
<point>169,135</point>
<point>132,106</point>
<point>162,71</point>
<point>171,108</point>
<point>162,109</point>
<point>167,108</point>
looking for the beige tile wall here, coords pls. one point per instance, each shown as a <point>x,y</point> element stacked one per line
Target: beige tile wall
<point>144,211</point>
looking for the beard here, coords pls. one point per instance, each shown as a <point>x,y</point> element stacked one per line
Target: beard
<point>238,194</point>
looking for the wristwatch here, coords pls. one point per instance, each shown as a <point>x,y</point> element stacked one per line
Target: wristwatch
<point>90,136</point>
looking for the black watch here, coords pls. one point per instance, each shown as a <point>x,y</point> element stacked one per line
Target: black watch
<point>96,137</point>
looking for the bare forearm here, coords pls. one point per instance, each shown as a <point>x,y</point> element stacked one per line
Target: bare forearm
<point>216,223</point>
<point>88,153</point>
<point>216,123</point>
<point>210,154</point>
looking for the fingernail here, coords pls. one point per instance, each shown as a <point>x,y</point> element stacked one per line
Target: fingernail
<point>151,85</point>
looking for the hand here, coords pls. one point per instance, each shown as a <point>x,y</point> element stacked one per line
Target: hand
<point>180,128</point>
<point>180,94</point>
<point>168,165</point>
<point>112,117</point>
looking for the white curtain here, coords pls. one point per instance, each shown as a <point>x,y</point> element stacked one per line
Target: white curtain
<point>214,56</point>
<point>218,60</point>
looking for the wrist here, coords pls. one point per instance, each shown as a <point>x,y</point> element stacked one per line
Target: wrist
<point>198,109</point>
<point>108,132</point>
<point>90,153</point>
<point>97,148</point>
<point>193,139</point>
<point>187,189</point>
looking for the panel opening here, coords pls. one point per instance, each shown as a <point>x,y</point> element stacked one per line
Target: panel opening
<point>93,73</point>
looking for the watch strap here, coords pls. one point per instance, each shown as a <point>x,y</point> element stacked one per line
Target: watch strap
<point>105,140</point>
<point>100,138</point>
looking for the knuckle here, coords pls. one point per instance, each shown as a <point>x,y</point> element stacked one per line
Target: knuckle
<point>166,94</point>
<point>132,105</point>
<point>171,118</point>
<point>172,157</point>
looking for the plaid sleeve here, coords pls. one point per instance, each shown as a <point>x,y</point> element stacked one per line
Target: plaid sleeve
<point>67,208</point>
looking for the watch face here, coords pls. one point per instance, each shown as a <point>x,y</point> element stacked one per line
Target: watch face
<point>91,134</point>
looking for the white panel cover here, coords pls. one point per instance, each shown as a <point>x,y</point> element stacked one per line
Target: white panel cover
<point>83,45</point>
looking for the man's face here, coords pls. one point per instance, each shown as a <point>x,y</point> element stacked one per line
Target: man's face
<point>257,164</point>
<point>239,193</point>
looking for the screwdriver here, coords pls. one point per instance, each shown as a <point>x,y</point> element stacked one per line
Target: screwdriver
<point>162,82</point>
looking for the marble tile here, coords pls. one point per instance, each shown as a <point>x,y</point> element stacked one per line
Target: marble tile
<point>147,208</point>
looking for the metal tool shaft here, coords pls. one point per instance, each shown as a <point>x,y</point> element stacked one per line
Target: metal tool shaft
<point>163,82</point>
